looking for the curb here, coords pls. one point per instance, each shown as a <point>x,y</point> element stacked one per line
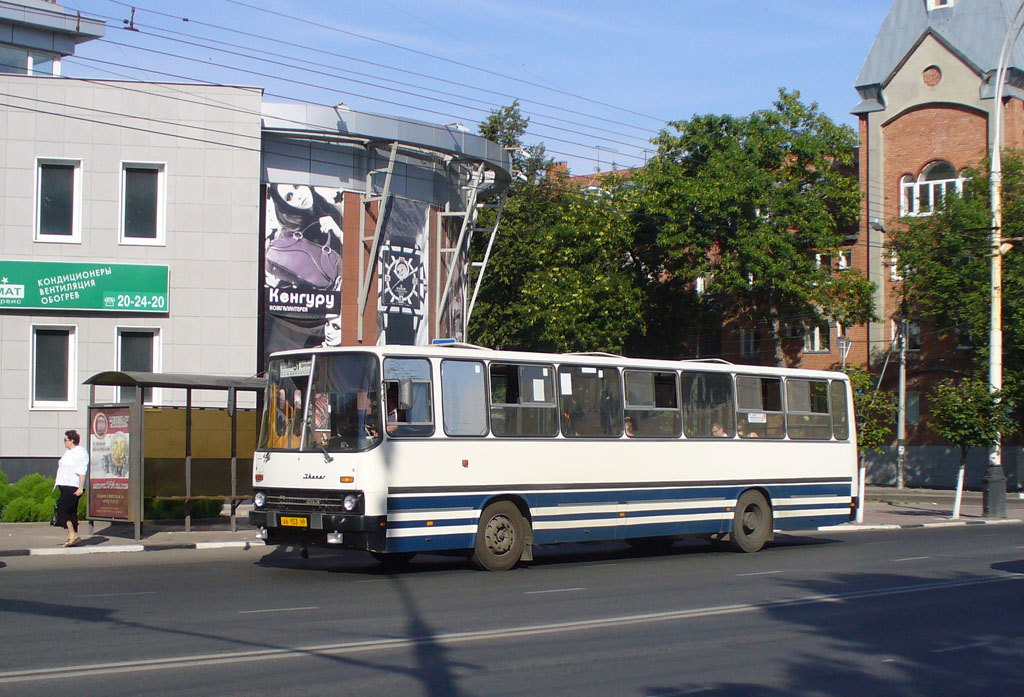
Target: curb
<point>115,549</point>
<point>862,527</point>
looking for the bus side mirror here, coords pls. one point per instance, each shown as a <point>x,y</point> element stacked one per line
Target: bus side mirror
<point>405,394</point>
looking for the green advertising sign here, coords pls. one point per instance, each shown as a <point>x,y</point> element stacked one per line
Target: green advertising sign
<point>62,286</point>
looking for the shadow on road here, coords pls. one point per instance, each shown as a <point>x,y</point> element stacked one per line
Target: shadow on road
<point>870,643</point>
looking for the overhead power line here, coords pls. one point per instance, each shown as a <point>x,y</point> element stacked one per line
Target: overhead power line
<point>333,55</point>
<point>339,30</point>
<point>359,80</point>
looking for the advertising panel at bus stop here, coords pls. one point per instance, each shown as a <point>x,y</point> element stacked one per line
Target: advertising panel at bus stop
<point>109,463</point>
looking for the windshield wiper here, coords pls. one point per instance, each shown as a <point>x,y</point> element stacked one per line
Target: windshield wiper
<point>327,455</point>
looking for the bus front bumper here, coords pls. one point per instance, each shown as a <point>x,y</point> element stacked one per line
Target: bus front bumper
<point>341,530</point>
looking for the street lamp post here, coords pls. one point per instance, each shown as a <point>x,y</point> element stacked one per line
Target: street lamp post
<point>994,480</point>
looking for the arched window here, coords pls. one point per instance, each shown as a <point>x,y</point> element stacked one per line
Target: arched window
<point>925,195</point>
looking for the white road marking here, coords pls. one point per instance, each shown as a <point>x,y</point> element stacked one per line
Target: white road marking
<point>117,595</point>
<point>759,573</point>
<point>962,647</point>
<point>911,559</point>
<point>78,672</point>
<point>555,590</point>
<point>277,609</point>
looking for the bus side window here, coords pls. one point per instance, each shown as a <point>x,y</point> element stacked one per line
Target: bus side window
<point>759,407</point>
<point>416,417</point>
<point>840,416</point>
<point>464,398</point>
<point>807,416</point>
<point>522,400</point>
<point>652,404</point>
<point>708,409</point>
<point>591,401</point>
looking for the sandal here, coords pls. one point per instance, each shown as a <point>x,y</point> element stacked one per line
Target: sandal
<point>72,543</point>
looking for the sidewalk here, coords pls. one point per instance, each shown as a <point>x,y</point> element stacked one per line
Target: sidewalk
<point>886,508</point>
<point>20,539</point>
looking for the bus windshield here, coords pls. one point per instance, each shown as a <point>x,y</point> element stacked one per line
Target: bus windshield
<point>327,402</point>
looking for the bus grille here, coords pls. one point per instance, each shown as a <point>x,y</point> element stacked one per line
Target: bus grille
<point>307,501</point>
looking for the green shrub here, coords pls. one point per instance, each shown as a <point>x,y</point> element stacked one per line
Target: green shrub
<point>3,479</point>
<point>175,510</point>
<point>30,499</point>
<point>24,510</point>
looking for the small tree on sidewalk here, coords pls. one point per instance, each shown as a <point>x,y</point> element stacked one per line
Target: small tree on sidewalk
<point>970,416</point>
<point>874,412</point>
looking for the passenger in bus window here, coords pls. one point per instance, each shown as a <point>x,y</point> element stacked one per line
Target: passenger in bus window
<point>630,427</point>
<point>718,431</point>
<point>392,406</point>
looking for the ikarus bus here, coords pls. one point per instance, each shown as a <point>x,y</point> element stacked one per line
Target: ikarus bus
<point>399,450</point>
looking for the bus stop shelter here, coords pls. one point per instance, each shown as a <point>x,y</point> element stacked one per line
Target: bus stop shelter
<point>117,440</point>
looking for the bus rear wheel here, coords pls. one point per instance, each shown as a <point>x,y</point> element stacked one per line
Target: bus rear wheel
<point>751,522</point>
<point>500,537</point>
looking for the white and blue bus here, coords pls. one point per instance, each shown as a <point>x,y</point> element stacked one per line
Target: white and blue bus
<point>401,449</point>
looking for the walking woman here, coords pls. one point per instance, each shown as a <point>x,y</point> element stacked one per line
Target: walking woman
<point>71,470</point>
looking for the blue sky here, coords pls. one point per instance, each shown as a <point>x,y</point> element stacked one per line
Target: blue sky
<point>598,79</point>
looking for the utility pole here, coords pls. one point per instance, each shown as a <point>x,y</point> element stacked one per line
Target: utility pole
<point>901,418</point>
<point>994,480</point>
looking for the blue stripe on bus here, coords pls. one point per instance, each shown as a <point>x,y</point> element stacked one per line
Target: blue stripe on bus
<point>427,543</point>
<point>438,522</point>
<point>615,496</point>
<point>718,500</point>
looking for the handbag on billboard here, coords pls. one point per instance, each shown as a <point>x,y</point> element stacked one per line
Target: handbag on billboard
<point>302,262</point>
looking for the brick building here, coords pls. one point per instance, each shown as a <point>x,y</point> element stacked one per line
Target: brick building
<point>926,101</point>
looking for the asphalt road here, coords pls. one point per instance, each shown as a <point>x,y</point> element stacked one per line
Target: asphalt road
<point>905,612</point>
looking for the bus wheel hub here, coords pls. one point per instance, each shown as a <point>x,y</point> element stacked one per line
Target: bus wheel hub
<point>500,534</point>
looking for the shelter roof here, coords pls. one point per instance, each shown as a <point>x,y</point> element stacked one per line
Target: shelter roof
<point>132,378</point>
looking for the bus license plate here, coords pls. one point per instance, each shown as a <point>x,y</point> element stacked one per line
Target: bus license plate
<point>294,521</point>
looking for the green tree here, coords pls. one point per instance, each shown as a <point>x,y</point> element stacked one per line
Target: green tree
<point>747,203</point>
<point>558,278</point>
<point>945,260</point>
<point>970,416</point>
<point>874,411</point>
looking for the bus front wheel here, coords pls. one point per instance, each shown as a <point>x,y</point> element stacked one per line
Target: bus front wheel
<point>500,537</point>
<point>751,523</point>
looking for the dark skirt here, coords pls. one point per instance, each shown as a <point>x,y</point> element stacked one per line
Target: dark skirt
<point>67,507</point>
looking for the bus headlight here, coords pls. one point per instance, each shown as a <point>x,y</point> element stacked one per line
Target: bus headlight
<point>351,502</point>
<point>259,499</point>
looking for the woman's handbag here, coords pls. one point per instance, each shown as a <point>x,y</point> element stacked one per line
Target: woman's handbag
<point>54,518</point>
<point>302,262</point>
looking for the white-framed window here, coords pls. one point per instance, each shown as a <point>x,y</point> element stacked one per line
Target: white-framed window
<point>845,260</point>
<point>818,337</point>
<point>139,349</point>
<point>964,338</point>
<point>18,61</point>
<point>926,194</point>
<point>54,367</point>
<point>913,408</point>
<point>58,200</point>
<point>823,260</point>
<point>143,203</point>
<point>750,343</point>
<point>895,270</point>
<point>913,333</point>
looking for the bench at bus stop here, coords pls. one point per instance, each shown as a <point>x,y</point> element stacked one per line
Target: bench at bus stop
<point>235,502</point>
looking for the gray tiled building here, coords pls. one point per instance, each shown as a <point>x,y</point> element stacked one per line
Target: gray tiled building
<point>127,219</point>
<point>187,228</point>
